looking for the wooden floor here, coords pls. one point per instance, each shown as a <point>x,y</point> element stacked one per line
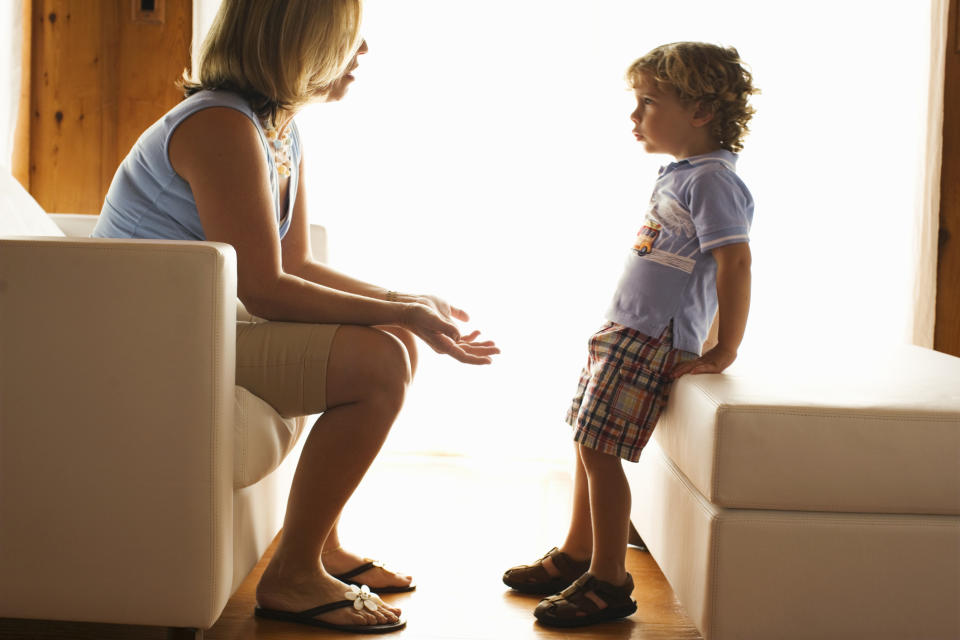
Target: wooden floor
<point>456,525</point>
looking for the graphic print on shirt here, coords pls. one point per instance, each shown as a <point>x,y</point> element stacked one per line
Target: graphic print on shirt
<point>646,237</point>
<point>668,235</point>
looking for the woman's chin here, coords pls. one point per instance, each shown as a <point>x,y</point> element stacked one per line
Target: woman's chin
<point>336,91</point>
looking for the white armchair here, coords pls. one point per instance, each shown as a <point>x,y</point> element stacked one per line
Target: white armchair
<point>138,484</point>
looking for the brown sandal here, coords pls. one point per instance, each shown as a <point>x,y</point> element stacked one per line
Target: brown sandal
<point>573,608</point>
<point>534,578</point>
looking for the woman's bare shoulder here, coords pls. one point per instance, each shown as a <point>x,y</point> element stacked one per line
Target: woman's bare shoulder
<point>211,135</point>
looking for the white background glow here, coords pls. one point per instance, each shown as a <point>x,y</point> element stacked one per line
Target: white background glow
<point>484,154</point>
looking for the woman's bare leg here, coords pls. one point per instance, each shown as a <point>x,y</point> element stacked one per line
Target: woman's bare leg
<point>335,558</point>
<point>409,343</point>
<point>367,376</point>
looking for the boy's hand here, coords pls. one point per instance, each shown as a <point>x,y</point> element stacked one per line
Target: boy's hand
<point>713,361</point>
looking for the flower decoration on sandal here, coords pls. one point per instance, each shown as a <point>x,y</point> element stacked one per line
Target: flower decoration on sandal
<point>361,597</point>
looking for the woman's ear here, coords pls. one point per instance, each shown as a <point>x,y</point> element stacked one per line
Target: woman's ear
<point>702,115</point>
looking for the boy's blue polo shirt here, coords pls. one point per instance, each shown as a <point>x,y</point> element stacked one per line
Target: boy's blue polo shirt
<point>698,204</point>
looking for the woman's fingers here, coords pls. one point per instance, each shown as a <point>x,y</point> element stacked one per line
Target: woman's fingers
<point>479,349</point>
<point>459,314</point>
<point>443,344</point>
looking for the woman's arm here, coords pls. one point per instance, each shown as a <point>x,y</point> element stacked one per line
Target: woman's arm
<point>219,153</point>
<point>297,259</point>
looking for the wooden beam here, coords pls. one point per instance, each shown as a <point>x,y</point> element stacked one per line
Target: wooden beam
<point>947,330</point>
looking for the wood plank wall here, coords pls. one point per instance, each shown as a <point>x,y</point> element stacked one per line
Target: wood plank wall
<point>947,331</point>
<point>101,72</point>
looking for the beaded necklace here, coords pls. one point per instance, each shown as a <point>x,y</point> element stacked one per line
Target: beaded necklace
<point>280,145</point>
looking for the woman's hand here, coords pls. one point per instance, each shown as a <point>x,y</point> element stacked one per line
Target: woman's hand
<point>443,307</point>
<point>429,323</point>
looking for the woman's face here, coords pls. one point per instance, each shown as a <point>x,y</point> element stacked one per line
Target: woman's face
<point>339,88</point>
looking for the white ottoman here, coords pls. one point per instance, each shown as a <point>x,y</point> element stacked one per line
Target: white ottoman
<point>813,504</point>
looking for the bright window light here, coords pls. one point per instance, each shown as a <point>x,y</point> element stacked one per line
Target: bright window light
<point>484,154</point>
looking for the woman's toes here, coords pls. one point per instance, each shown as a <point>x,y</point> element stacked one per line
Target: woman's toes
<point>384,606</point>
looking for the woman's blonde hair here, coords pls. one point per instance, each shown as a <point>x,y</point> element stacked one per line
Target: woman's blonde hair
<point>708,74</point>
<point>278,54</point>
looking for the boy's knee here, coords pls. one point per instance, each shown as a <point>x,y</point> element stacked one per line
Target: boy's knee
<point>597,461</point>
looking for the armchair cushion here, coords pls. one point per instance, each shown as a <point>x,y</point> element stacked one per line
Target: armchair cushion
<point>261,438</point>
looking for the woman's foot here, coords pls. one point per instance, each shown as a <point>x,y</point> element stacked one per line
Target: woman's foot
<point>342,564</point>
<point>309,589</point>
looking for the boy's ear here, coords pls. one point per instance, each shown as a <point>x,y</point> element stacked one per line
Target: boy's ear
<point>702,115</point>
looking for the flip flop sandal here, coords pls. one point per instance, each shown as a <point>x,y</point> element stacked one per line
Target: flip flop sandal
<point>349,575</point>
<point>573,608</point>
<point>358,599</point>
<point>534,578</point>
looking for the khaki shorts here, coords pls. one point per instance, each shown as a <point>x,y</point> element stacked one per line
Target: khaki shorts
<point>285,364</point>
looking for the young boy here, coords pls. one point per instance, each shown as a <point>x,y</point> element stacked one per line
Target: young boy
<point>690,261</point>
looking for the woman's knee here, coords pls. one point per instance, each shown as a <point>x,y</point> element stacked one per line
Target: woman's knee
<point>368,365</point>
<point>409,343</point>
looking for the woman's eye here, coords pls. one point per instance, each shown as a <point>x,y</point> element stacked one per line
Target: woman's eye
<point>647,101</point>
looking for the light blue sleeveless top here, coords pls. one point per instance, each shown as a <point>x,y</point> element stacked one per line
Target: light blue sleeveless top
<point>147,199</point>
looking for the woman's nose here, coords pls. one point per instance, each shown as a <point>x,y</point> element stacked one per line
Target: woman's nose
<point>363,47</point>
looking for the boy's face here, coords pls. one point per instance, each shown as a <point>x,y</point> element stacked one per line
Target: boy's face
<point>664,124</point>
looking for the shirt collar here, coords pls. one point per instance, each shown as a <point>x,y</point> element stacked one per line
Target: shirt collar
<point>726,158</point>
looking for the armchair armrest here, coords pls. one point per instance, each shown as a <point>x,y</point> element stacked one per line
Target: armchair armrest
<point>116,401</point>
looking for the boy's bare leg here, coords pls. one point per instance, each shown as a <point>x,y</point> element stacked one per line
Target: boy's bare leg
<point>610,512</point>
<point>579,542</point>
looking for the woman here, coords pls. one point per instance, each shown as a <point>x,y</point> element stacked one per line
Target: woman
<point>225,165</point>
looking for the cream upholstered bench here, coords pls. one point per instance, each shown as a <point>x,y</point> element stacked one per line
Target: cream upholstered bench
<point>821,503</point>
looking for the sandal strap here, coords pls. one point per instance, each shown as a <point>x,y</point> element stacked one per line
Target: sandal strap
<point>566,565</point>
<point>339,604</point>
<point>355,571</point>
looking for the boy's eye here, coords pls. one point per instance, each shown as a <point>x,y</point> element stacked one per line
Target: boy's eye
<point>648,101</point>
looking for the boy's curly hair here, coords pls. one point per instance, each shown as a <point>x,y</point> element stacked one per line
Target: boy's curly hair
<point>709,74</point>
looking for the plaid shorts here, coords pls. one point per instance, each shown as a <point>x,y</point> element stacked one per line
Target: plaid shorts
<point>623,389</point>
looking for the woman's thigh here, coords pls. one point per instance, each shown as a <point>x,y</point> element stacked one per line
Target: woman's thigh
<point>304,369</point>
<point>285,364</point>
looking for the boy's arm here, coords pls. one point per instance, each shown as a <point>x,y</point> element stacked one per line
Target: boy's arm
<point>733,297</point>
